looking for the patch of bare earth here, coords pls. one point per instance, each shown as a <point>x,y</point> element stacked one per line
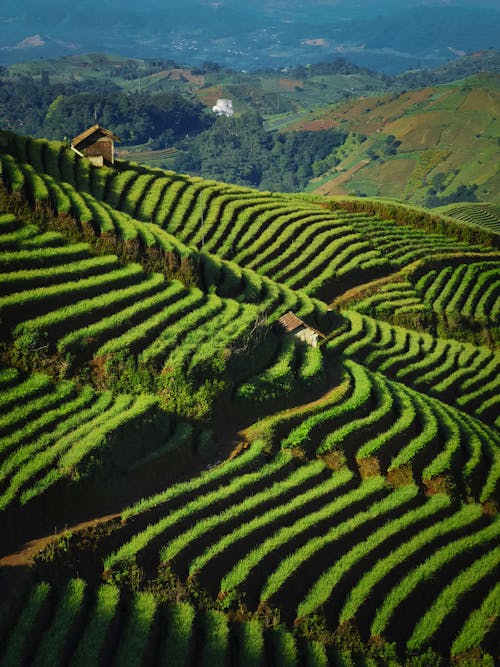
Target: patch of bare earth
<point>369,467</point>
<point>439,484</point>
<point>401,476</point>
<point>331,187</point>
<point>27,552</point>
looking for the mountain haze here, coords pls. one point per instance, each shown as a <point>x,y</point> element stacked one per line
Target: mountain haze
<point>391,36</point>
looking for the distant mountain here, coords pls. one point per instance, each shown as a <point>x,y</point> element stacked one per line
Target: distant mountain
<point>389,36</point>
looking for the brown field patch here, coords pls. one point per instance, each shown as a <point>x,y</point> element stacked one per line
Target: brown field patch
<point>334,460</point>
<point>404,102</point>
<point>209,96</point>
<point>481,100</point>
<point>289,85</point>
<point>442,97</point>
<point>394,176</point>
<point>316,125</point>
<point>416,132</point>
<point>330,187</point>
<point>372,113</point>
<point>462,135</point>
<point>181,73</point>
<point>369,467</point>
<point>400,476</point>
<point>439,484</point>
<point>427,136</point>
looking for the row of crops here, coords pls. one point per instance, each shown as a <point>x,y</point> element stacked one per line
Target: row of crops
<point>114,231</point>
<point>461,300</point>
<point>51,433</point>
<point>257,535</point>
<point>263,539</point>
<point>484,215</point>
<point>70,311</point>
<point>354,522</point>
<point>458,373</point>
<point>297,243</point>
<point>136,629</point>
<point>404,245</point>
<point>75,625</point>
<point>381,425</point>
<point>59,299</point>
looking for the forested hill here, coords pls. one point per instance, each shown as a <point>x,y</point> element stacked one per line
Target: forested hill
<point>181,479</point>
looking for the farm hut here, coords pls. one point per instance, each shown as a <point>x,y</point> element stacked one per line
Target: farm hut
<point>292,325</point>
<point>97,144</point>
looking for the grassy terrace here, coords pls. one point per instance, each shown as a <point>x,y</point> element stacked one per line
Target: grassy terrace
<point>230,494</point>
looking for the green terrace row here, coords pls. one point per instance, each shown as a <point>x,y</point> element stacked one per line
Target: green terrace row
<point>18,236</point>
<point>120,308</point>
<point>291,540</point>
<point>404,245</point>
<point>394,298</point>
<point>93,305</point>
<point>280,488</point>
<point>376,417</point>
<point>464,294</point>
<point>49,431</point>
<point>73,624</point>
<point>458,373</point>
<point>290,364</point>
<point>244,225</point>
<point>227,223</point>
<point>483,215</point>
<point>113,226</point>
<point>471,290</point>
<point>62,164</point>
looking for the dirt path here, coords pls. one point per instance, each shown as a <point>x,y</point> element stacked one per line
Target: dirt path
<point>25,555</point>
<point>233,442</point>
<point>331,186</point>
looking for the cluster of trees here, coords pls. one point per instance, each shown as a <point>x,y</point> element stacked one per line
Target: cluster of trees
<point>350,144</point>
<point>460,194</point>
<point>58,110</point>
<point>459,68</point>
<point>134,118</point>
<point>240,150</point>
<point>337,66</point>
<point>236,150</point>
<point>436,194</point>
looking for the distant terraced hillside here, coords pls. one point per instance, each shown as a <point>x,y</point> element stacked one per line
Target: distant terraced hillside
<point>484,215</point>
<point>231,495</point>
<point>446,138</point>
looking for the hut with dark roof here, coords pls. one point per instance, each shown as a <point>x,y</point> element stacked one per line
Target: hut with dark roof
<point>97,144</point>
<point>291,325</point>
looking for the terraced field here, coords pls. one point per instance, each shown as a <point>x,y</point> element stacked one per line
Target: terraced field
<point>484,215</point>
<point>231,495</point>
<point>144,629</point>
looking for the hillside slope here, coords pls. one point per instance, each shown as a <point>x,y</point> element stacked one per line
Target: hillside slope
<point>231,495</point>
<point>430,146</point>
